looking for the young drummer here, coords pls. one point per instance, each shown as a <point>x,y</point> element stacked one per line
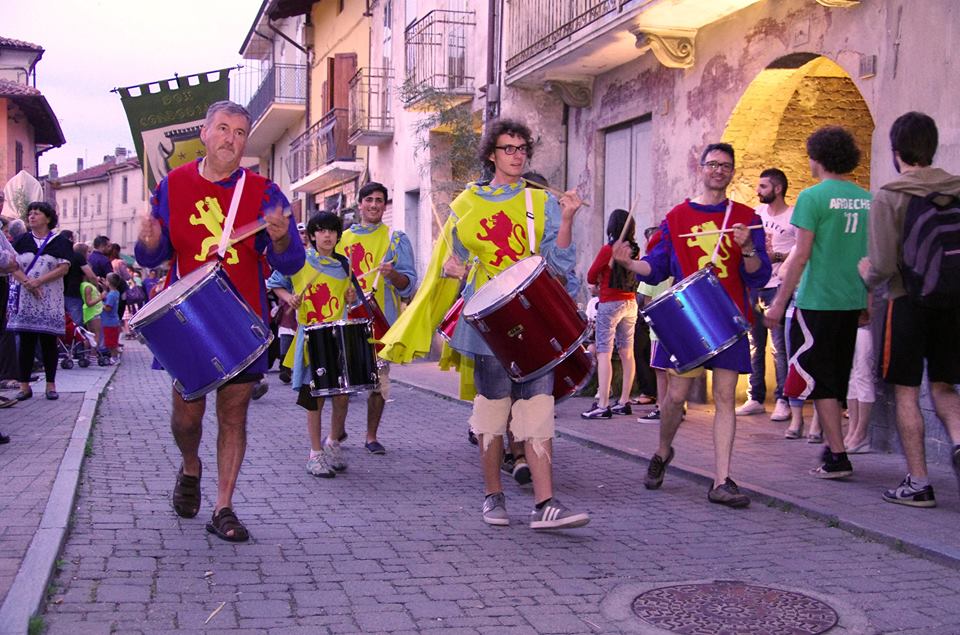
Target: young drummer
<point>320,292</point>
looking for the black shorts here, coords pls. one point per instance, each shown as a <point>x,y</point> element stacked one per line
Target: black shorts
<point>912,334</point>
<point>244,378</point>
<point>305,400</point>
<point>822,345</point>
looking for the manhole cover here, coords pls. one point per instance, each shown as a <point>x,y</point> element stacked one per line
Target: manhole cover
<point>733,608</point>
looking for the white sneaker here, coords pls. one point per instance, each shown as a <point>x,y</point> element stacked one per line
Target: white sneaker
<point>751,407</point>
<point>318,466</point>
<point>781,412</point>
<point>334,455</point>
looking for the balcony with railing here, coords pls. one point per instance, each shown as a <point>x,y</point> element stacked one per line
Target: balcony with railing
<point>574,39</point>
<point>437,60</point>
<point>278,103</point>
<point>322,157</point>
<point>371,117</point>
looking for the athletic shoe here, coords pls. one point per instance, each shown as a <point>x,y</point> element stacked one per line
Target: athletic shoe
<point>597,413</point>
<point>508,463</point>
<point>471,437</point>
<point>907,494</point>
<point>285,375</point>
<point>621,409</point>
<point>334,455</point>
<point>750,407</point>
<point>728,494</point>
<point>554,515</point>
<point>653,415</point>
<point>521,471</point>
<point>656,470</point>
<point>495,510</point>
<point>833,466</point>
<point>318,466</point>
<point>260,389</point>
<point>781,412</point>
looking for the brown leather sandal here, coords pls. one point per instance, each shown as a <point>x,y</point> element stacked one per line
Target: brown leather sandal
<point>186,494</point>
<point>224,522</point>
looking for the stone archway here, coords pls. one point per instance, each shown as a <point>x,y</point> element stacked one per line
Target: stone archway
<point>788,100</point>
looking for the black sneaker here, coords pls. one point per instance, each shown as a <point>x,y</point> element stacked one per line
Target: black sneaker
<point>285,375</point>
<point>833,466</point>
<point>597,413</point>
<point>260,389</point>
<point>728,494</point>
<point>521,471</point>
<point>907,494</point>
<point>621,409</point>
<point>471,437</point>
<point>653,415</point>
<point>656,470</point>
<point>507,465</point>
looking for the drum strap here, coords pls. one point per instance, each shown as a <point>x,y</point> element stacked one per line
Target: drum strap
<point>531,230</point>
<point>231,216</point>
<point>723,225</point>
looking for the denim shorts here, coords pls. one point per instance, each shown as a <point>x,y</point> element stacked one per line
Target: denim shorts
<point>616,321</point>
<point>493,382</point>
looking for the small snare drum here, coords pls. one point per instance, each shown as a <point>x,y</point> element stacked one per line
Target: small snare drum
<point>342,360</point>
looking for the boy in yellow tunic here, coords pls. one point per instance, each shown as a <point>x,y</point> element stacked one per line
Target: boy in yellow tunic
<point>320,292</point>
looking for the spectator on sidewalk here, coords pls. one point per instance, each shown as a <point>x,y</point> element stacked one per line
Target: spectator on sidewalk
<point>92,308</point>
<point>860,392</point>
<point>741,263</point>
<point>914,333</point>
<point>9,364</point>
<point>831,219</point>
<point>780,239</point>
<point>616,317</point>
<point>110,319</point>
<point>8,264</point>
<point>79,270</point>
<point>98,259</point>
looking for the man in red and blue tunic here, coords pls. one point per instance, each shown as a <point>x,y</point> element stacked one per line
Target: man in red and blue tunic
<point>186,222</point>
<point>741,262</point>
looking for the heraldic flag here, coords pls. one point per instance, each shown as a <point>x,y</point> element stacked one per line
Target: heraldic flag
<point>165,119</point>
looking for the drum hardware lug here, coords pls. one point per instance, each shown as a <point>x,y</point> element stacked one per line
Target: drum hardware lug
<point>514,369</point>
<point>222,283</point>
<point>583,316</point>
<point>178,386</point>
<point>180,315</point>
<point>523,301</point>
<point>742,322</point>
<point>704,344</point>
<point>257,330</point>
<point>555,344</point>
<point>321,372</point>
<point>482,326</point>
<point>216,364</point>
<point>674,360</point>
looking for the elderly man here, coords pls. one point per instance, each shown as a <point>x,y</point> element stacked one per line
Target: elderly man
<point>168,234</point>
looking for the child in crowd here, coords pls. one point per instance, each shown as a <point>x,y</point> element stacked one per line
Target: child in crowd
<point>92,308</point>
<point>860,391</point>
<point>320,292</point>
<point>110,318</point>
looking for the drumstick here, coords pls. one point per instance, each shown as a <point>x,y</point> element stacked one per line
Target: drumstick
<point>552,190</point>
<point>716,231</point>
<point>244,231</point>
<point>626,223</point>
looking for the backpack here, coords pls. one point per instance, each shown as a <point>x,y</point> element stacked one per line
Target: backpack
<point>930,265</point>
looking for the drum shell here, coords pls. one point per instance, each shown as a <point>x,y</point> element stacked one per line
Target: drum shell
<point>379,321</point>
<point>449,322</point>
<point>206,336</point>
<point>533,326</point>
<point>695,320</point>
<point>573,373</point>
<point>342,359</point>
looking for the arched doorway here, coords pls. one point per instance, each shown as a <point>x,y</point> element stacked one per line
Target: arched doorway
<point>788,100</point>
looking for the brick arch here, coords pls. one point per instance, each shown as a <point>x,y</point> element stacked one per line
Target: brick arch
<point>787,101</point>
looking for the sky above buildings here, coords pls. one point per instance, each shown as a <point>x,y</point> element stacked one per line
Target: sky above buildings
<point>93,46</point>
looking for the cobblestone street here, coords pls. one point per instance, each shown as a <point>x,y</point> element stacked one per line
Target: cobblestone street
<point>396,544</point>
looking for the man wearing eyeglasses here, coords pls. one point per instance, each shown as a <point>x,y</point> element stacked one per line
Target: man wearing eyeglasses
<point>741,263</point>
<point>491,229</point>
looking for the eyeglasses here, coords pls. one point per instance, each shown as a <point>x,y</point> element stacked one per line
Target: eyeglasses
<point>713,166</point>
<point>510,150</point>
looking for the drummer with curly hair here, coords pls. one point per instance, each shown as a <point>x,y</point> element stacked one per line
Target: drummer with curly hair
<point>189,211</point>
<point>495,226</point>
<point>691,240</point>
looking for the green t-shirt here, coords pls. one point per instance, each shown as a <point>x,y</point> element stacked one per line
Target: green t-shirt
<point>836,212</point>
<point>90,312</point>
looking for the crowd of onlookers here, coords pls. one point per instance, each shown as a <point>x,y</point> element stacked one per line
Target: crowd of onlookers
<point>61,302</point>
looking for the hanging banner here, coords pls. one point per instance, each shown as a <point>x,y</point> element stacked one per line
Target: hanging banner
<point>165,119</point>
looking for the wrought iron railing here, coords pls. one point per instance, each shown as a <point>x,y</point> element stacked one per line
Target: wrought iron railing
<point>283,84</point>
<point>370,98</point>
<point>436,54</point>
<point>322,143</point>
<point>537,25</point>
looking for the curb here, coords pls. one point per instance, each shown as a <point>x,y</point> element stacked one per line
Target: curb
<point>761,494</point>
<point>29,587</point>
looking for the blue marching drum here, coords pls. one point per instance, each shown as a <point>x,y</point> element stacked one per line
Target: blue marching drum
<point>201,331</point>
<point>695,319</point>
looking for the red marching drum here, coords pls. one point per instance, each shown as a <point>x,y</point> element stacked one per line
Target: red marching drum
<point>378,320</point>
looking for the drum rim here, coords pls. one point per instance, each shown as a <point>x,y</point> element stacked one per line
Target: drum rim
<point>242,366</point>
<point>487,310</point>
<point>549,366</point>
<point>156,315</point>
<point>321,325</point>
<point>708,356</point>
<point>348,390</point>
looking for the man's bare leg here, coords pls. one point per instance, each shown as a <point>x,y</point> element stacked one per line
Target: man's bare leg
<point>186,423</point>
<point>724,421</point>
<point>375,403</point>
<point>541,469</point>
<point>671,412</point>
<point>233,400</point>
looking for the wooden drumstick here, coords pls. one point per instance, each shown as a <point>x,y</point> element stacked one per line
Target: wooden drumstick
<point>716,231</point>
<point>243,232</point>
<point>552,190</point>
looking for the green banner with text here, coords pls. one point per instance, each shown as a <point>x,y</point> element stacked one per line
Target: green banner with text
<point>165,119</point>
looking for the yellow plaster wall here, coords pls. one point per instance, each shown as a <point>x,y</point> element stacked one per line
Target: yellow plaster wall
<point>346,32</point>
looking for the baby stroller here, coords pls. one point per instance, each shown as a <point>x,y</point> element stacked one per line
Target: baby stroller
<point>77,343</point>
